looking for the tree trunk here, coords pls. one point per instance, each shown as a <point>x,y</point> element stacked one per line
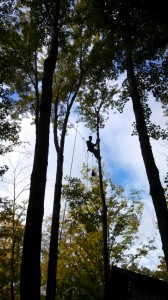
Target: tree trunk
<point>30,268</point>
<point>36,91</point>
<point>104,221</point>
<point>54,239</point>
<point>53,252</point>
<point>156,189</point>
<point>13,253</point>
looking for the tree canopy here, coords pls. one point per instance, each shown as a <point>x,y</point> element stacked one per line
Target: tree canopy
<point>59,58</point>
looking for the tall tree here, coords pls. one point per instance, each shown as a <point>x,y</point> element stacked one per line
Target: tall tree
<point>30,269</point>
<point>131,57</point>
<point>156,189</point>
<point>96,99</point>
<point>139,37</point>
<point>72,71</point>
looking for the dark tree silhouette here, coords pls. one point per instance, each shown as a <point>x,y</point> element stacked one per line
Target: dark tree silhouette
<point>30,268</point>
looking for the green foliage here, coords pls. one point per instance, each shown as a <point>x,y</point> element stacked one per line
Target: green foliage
<point>26,33</point>
<point>154,131</point>
<point>12,229</point>
<point>9,127</point>
<point>95,101</point>
<point>93,37</point>
<point>161,271</point>
<point>159,81</point>
<point>12,219</point>
<point>80,264</point>
<point>137,27</point>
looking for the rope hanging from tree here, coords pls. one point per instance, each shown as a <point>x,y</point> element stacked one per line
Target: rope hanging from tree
<point>91,149</point>
<point>73,152</point>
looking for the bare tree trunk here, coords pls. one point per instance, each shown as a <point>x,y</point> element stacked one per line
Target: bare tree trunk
<point>104,220</point>
<point>13,238</point>
<point>13,252</point>
<point>156,189</point>
<point>53,252</point>
<point>54,239</point>
<point>30,268</point>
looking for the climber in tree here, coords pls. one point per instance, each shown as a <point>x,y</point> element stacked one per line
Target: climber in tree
<point>91,148</point>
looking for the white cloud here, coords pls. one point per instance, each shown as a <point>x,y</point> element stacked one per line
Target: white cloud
<point>120,152</point>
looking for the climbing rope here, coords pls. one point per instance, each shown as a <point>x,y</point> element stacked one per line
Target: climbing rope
<point>73,152</point>
<point>86,157</point>
<point>77,129</point>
